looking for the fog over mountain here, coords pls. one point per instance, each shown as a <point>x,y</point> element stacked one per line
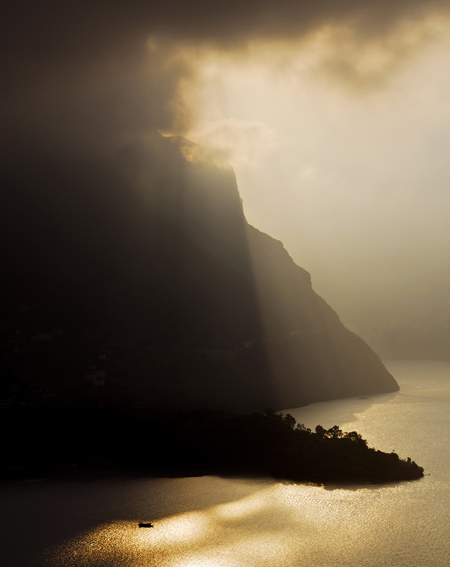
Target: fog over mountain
<point>96,200</point>
<point>355,185</point>
<point>146,261</point>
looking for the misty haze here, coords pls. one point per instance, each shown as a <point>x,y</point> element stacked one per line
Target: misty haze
<point>225,308</point>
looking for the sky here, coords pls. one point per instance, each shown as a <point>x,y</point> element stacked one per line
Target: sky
<point>334,115</point>
<point>352,178</point>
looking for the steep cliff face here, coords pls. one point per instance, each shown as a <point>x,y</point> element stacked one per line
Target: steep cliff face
<point>148,259</point>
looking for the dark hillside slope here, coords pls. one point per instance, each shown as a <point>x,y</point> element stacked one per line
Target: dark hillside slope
<point>145,259</point>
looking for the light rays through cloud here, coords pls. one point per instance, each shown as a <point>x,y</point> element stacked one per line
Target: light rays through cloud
<point>351,172</point>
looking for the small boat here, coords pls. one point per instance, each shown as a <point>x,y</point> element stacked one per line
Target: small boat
<point>145,525</point>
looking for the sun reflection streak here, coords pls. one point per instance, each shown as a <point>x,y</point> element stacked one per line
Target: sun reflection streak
<point>281,524</point>
<point>185,528</point>
<point>239,509</point>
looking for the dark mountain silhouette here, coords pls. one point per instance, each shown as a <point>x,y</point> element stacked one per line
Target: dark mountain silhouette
<point>144,273</point>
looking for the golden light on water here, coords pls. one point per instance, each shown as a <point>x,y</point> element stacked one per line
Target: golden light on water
<point>188,528</point>
<point>219,522</point>
<point>239,510</point>
<point>282,524</point>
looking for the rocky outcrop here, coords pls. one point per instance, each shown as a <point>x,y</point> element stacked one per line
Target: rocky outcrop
<point>148,258</point>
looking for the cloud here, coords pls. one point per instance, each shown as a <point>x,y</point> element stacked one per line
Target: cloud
<point>238,141</point>
<point>365,63</point>
<point>89,73</point>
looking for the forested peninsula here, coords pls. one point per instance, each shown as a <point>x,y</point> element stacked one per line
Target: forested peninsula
<point>76,441</point>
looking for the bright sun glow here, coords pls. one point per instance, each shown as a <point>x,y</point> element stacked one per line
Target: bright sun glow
<point>346,169</point>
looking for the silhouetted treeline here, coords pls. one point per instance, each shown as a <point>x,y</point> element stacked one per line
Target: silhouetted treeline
<point>78,440</point>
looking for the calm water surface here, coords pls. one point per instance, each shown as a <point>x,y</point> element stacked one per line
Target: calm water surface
<point>216,522</point>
